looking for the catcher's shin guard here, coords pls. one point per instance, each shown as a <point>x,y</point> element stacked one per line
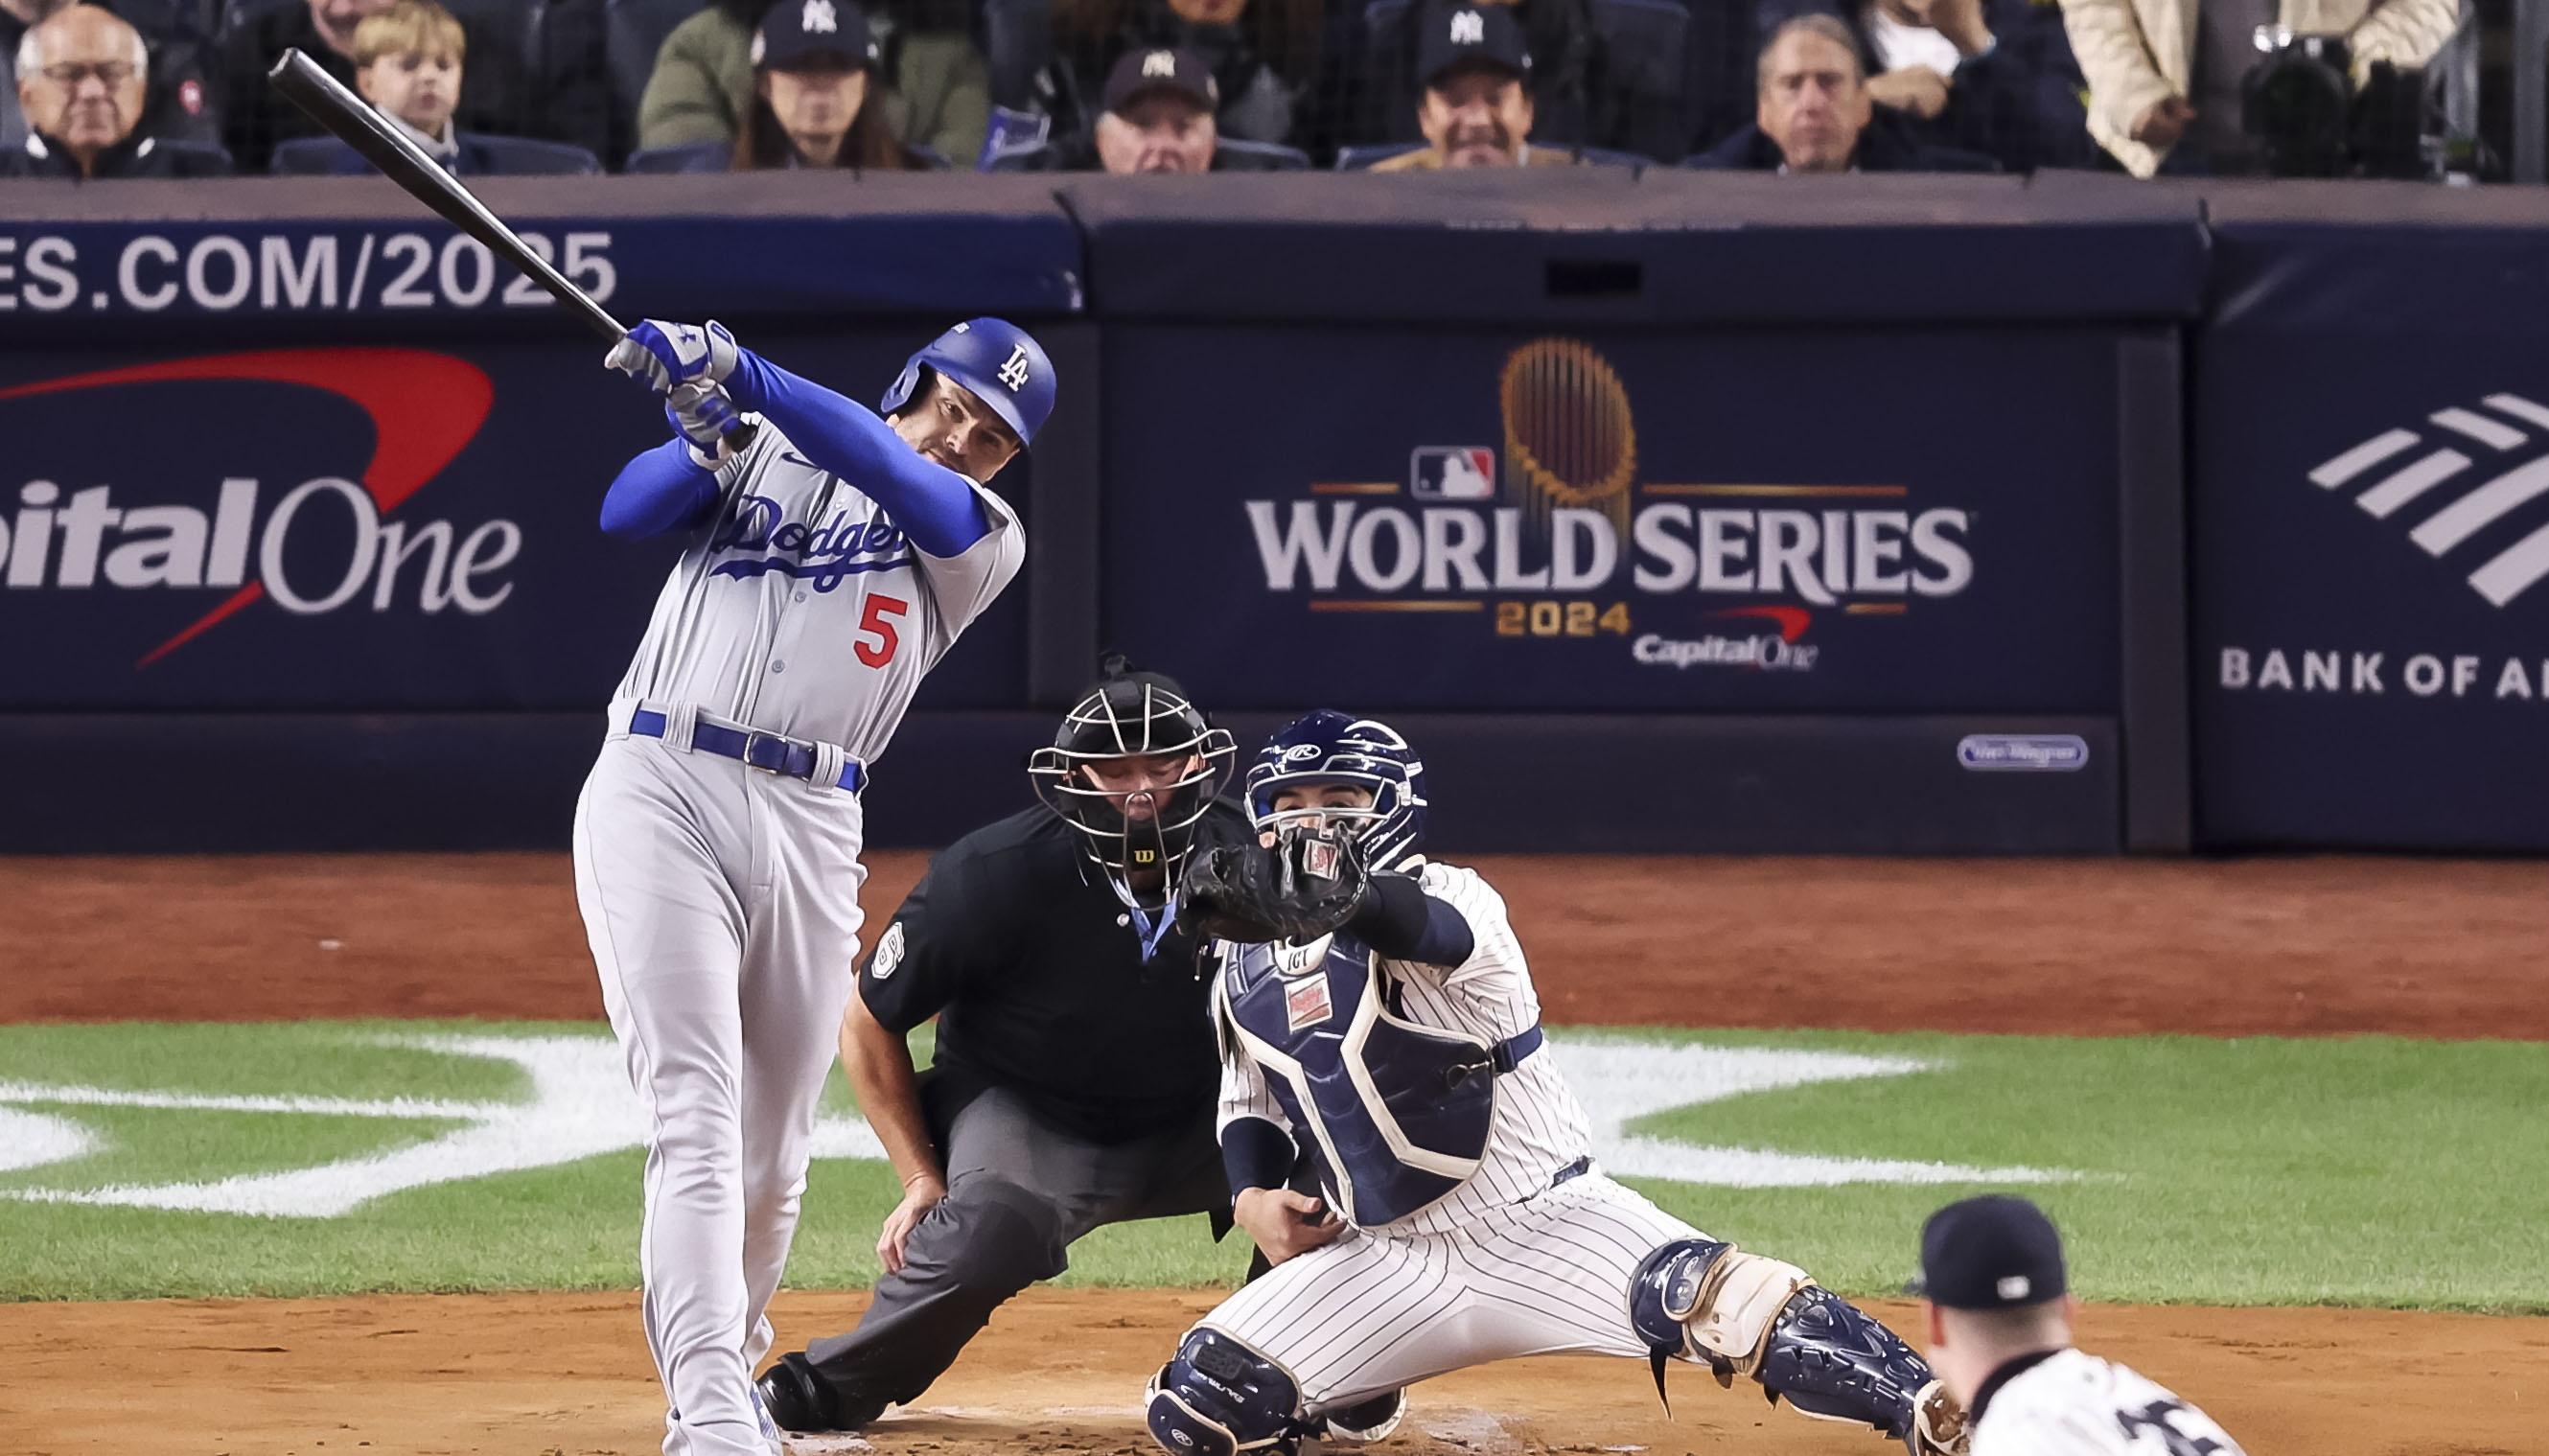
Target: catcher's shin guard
<point>1220,1398</point>
<point>1742,1313</point>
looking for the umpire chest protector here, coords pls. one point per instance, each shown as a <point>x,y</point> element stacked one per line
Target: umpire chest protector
<point>1398,1114</point>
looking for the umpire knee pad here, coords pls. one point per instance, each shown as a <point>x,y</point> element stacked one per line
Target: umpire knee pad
<point>999,1236</point>
<point>1220,1398</point>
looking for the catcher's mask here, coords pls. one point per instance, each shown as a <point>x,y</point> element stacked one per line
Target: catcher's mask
<point>1132,715</point>
<point>1329,746</point>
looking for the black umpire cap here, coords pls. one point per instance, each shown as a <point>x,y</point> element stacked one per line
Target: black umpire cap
<point>1460,35</point>
<point>1995,1252</point>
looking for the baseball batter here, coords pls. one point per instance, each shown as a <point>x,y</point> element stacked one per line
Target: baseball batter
<point>1385,1022</point>
<point>829,565</point>
<point>1999,1315</point>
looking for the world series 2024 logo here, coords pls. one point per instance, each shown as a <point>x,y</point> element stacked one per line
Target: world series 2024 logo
<point>1554,532</point>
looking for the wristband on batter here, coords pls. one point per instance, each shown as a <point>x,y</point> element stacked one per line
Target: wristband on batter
<point>1255,1153</point>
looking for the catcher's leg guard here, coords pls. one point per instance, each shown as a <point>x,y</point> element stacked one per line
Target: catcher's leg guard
<point>1365,1420</point>
<point>1742,1313</point>
<point>1220,1398</point>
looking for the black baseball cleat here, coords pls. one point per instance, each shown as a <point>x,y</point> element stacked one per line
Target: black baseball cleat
<point>1366,1420</point>
<point>795,1400</point>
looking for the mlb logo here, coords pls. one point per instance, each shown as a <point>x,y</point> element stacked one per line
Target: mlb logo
<point>1305,1002</point>
<point>1451,473</point>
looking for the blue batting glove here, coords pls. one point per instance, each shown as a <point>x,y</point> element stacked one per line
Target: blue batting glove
<point>663,357</point>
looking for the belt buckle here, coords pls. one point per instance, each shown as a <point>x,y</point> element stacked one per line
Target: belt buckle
<point>753,740</point>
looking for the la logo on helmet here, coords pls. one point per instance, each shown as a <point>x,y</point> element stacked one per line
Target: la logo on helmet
<point>1014,372</point>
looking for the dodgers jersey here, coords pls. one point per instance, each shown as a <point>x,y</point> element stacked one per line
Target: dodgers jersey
<point>2073,1403</point>
<point>802,610</point>
<point>1538,1128</point>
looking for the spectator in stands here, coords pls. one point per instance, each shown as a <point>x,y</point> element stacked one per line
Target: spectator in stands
<point>1159,117</point>
<point>1815,113</point>
<point>704,84</point>
<point>409,62</point>
<point>1477,107</point>
<point>2161,77</point>
<point>254,115</point>
<point>1582,94</point>
<point>82,86</point>
<point>1264,55</point>
<point>1989,77</point>
<point>813,64</point>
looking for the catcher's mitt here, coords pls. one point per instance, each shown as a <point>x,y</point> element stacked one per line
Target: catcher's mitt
<point>1307,884</point>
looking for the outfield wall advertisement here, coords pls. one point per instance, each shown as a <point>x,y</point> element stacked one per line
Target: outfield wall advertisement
<point>353,528</point>
<point>1742,521</point>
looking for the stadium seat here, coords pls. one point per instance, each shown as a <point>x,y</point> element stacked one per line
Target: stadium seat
<point>1258,156</point>
<point>518,157</point>
<point>1359,157</point>
<point>1646,49</point>
<point>633,32</point>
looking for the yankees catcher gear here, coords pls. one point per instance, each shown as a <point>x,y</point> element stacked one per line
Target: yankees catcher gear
<point>1740,1314</point>
<point>1308,884</point>
<point>998,363</point>
<point>1329,746</point>
<point>1133,715</point>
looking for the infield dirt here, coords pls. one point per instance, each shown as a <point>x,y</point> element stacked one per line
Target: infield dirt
<point>2284,946</point>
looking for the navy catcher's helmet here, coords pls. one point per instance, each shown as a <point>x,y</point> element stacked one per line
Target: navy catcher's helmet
<point>997,362</point>
<point>1126,715</point>
<point>1329,746</point>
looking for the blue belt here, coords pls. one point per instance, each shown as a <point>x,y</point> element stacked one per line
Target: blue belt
<point>768,752</point>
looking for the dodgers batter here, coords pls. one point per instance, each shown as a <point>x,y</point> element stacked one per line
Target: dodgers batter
<point>1465,1219</point>
<point>2000,1310</point>
<point>827,566</point>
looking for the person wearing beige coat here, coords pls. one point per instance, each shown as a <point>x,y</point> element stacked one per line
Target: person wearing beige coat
<point>2139,58</point>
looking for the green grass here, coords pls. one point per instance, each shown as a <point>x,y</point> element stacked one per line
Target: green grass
<point>2361,1172</point>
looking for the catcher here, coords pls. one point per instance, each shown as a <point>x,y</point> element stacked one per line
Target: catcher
<point>1382,1021</point>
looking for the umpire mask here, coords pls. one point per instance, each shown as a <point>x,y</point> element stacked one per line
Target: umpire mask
<point>1133,767</point>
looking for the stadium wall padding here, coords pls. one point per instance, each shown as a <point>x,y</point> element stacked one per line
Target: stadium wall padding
<point>1666,510</point>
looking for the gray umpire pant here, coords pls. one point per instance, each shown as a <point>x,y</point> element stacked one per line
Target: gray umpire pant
<point>1019,1192</point>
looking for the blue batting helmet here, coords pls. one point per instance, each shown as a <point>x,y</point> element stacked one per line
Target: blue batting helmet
<point>1329,746</point>
<point>997,362</point>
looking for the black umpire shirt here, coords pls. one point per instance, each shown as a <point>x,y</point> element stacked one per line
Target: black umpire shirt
<point>1033,965</point>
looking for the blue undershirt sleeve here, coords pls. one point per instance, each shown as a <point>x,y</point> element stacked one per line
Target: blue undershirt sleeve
<point>1255,1153</point>
<point>935,506</point>
<point>660,491</point>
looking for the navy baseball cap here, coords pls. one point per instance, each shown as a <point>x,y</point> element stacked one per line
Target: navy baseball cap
<point>1471,35</point>
<point>1994,1252</point>
<point>797,31</point>
<point>1138,73</point>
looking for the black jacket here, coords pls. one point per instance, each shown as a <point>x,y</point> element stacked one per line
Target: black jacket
<point>2022,103</point>
<point>1887,145</point>
<point>143,157</point>
<point>1080,155</point>
<point>478,156</point>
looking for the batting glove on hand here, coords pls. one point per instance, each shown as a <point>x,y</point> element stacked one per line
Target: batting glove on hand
<point>663,357</point>
<point>702,415</point>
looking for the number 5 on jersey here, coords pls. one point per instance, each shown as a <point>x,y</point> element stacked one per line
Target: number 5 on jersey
<point>877,618</point>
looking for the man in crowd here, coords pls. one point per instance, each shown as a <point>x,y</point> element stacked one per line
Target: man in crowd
<point>2161,78</point>
<point>1988,76</point>
<point>1477,110</point>
<point>1815,114</point>
<point>1159,117</point>
<point>254,115</point>
<point>83,87</point>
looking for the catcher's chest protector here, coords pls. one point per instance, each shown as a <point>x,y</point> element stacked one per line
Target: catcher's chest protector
<point>1397,1114</point>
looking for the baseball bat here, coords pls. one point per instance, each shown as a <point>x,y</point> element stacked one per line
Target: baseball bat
<point>360,126</point>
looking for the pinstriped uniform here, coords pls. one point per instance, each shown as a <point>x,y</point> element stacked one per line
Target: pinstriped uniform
<point>2074,1404</point>
<point>1504,1265</point>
